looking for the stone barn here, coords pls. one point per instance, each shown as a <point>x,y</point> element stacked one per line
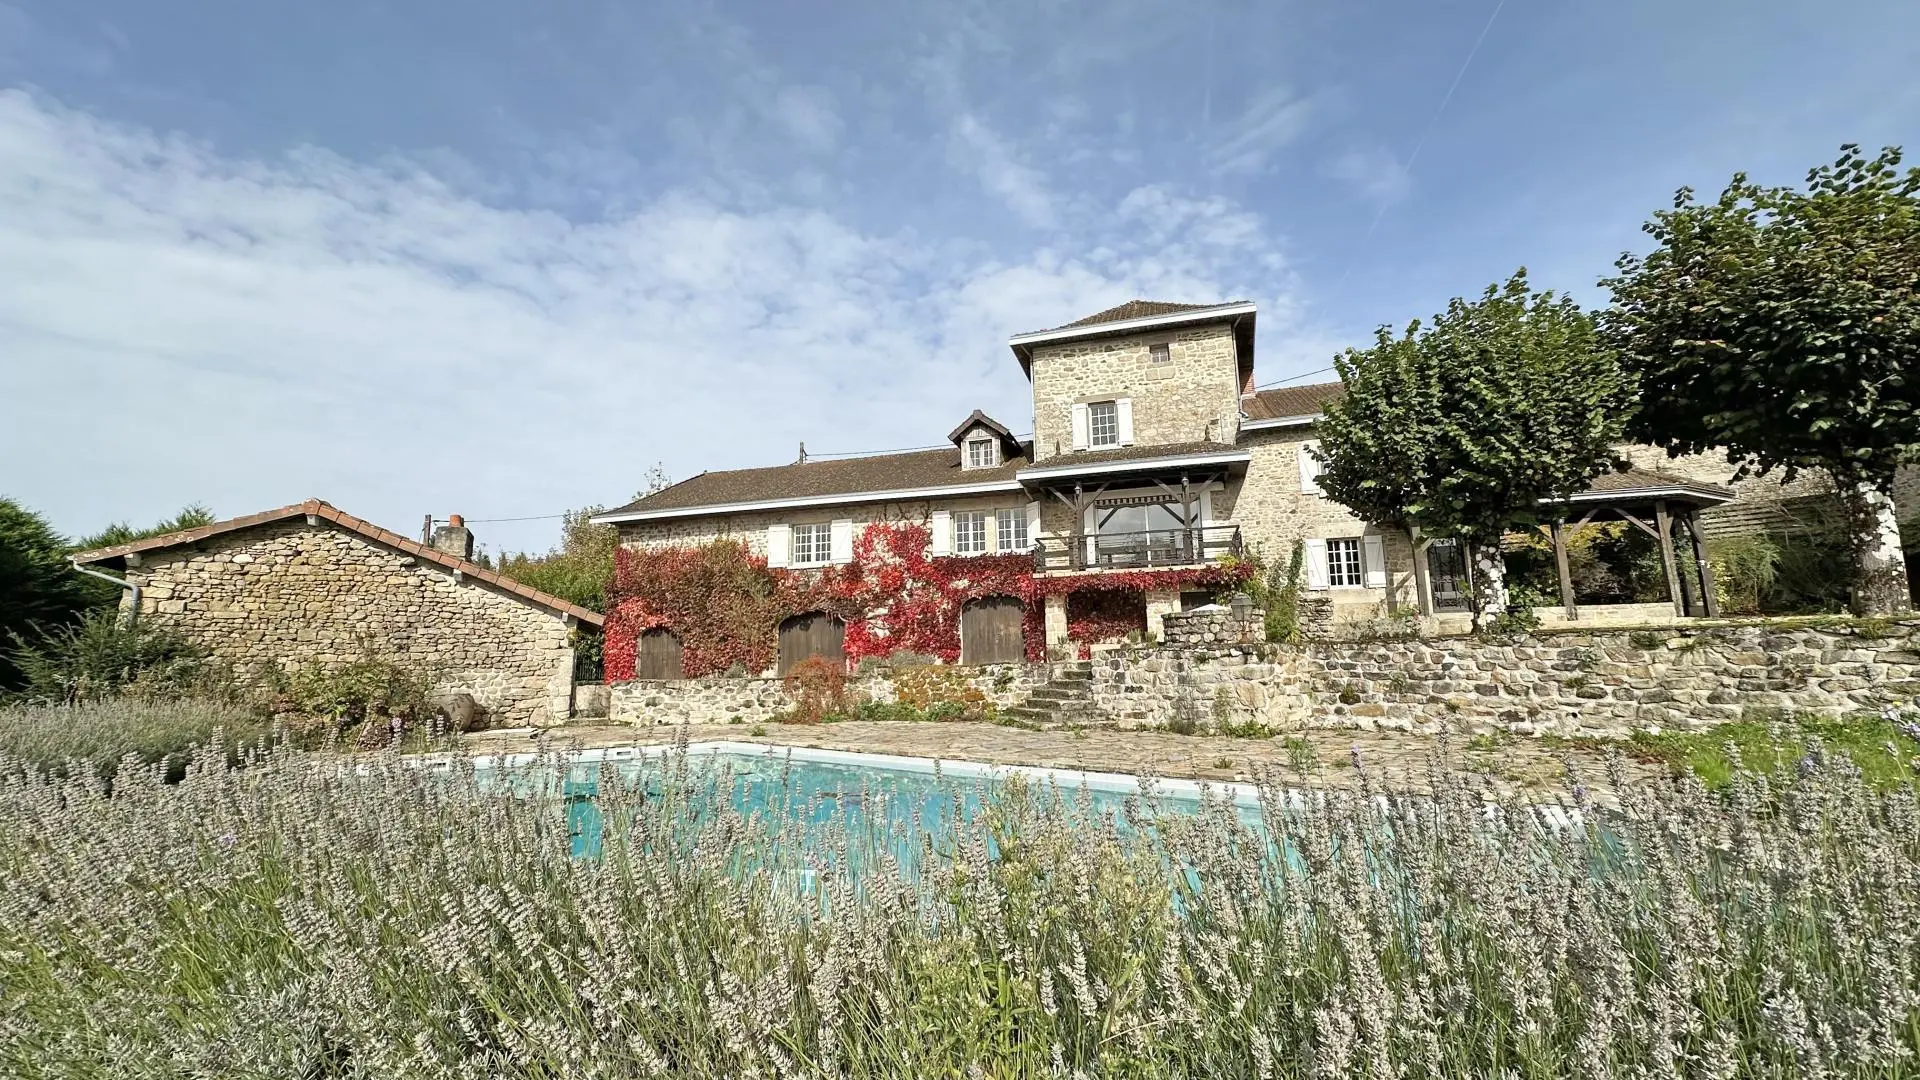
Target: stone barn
<point>309,584</point>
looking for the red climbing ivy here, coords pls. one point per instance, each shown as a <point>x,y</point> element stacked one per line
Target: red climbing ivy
<point>726,604</point>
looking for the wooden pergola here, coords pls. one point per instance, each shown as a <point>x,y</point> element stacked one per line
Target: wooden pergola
<point>1658,504</point>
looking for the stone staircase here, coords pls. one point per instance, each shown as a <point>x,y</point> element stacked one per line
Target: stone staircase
<point>1066,699</point>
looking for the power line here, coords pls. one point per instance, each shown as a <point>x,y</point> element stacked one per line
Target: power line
<point>494,521</point>
<point>1294,378</point>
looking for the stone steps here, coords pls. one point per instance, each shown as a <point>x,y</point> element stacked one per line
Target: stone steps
<point>1066,699</point>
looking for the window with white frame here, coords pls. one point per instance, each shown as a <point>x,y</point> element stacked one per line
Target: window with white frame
<point>982,453</point>
<point>1103,423</point>
<point>1013,530</point>
<point>1344,568</point>
<point>970,532</point>
<point>1159,354</point>
<point>812,544</point>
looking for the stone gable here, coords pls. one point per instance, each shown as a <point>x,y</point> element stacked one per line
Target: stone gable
<point>290,594</point>
<point>1193,397</point>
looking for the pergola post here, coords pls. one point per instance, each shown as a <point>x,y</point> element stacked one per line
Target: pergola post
<point>1422,579</point>
<point>1566,574</point>
<point>1664,523</point>
<point>1708,597</point>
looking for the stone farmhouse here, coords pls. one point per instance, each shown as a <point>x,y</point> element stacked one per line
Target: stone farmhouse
<point>309,584</point>
<point>1151,447</point>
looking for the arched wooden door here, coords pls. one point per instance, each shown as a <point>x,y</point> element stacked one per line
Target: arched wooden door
<point>992,631</point>
<point>659,656</point>
<point>815,633</point>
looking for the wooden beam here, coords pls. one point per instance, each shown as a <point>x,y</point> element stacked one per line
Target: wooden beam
<point>1708,598</point>
<point>1422,580</point>
<point>1644,527</point>
<point>1566,575</point>
<point>1667,561</point>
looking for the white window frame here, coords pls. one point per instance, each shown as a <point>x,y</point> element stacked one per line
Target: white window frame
<point>989,455</point>
<point>812,544</point>
<point>1160,354</point>
<point>1095,410</point>
<point>1010,531</point>
<point>1344,572</point>
<point>970,532</point>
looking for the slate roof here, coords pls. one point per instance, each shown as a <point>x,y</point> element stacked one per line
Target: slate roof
<point>820,479</point>
<point>117,554</point>
<point>1639,479</point>
<point>1287,401</point>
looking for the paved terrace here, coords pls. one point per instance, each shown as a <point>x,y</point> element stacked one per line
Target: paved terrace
<point>1532,767</point>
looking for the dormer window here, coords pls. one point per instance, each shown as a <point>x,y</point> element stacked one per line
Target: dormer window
<point>983,452</point>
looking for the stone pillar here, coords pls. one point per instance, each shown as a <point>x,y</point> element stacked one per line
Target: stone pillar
<point>1160,602</point>
<point>1056,613</point>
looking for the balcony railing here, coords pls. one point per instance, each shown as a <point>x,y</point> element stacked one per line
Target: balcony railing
<point>1138,550</point>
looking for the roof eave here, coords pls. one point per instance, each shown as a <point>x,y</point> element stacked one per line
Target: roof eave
<point>1060,472</point>
<point>801,502</point>
<point>1276,422</point>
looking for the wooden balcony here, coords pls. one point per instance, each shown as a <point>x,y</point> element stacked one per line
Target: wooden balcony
<point>1138,550</point>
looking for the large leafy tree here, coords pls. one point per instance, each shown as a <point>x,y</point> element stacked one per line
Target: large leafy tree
<point>1465,426</point>
<point>1783,327</point>
<point>38,590</point>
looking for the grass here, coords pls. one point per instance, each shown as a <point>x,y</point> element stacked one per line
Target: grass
<point>1883,753</point>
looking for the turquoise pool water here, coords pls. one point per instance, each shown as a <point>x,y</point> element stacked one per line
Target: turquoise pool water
<point>907,805</point>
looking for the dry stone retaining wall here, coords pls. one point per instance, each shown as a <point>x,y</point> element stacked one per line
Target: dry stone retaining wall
<point>720,699</point>
<point>1601,684</point>
<point>291,594</point>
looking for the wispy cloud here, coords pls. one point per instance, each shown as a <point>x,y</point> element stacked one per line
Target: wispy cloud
<point>187,325</point>
<point>977,149</point>
<point>807,113</point>
<point>1274,118</point>
<point>1372,172</point>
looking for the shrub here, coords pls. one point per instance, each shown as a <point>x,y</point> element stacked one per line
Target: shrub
<point>818,687</point>
<point>1276,588</point>
<point>101,656</point>
<point>300,919</point>
<point>99,734</point>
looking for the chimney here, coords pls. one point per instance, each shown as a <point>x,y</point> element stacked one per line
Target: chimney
<point>454,538</point>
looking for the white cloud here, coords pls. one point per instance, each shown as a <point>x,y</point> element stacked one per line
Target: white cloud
<point>177,326</point>
<point>807,113</point>
<point>1270,121</point>
<point>1375,174</point>
<point>977,149</point>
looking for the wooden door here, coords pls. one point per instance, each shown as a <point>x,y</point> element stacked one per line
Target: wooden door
<point>658,656</point>
<point>992,631</point>
<point>813,634</point>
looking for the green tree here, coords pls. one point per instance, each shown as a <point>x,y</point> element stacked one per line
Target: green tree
<point>581,568</point>
<point>1463,427</point>
<point>38,589</point>
<point>1783,327</point>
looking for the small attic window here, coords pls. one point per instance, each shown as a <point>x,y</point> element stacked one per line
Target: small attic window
<point>983,452</point>
<point>1159,354</point>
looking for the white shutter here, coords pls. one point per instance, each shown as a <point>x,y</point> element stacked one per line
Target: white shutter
<point>1033,524</point>
<point>1373,559</point>
<point>1080,427</point>
<point>779,545</point>
<point>942,532</point>
<point>1123,412</point>
<point>840,539</point>
<point>1309,468</point>
<point>1316,564</point>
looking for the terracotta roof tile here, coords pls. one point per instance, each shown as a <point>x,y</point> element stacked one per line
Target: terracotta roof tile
<point>817,479</point>
<point>327,512</point>
<point>1135,309</point>
<point>1287,401</point>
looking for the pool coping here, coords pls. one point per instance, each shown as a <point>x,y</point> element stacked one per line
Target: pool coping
<point>1242,794</point>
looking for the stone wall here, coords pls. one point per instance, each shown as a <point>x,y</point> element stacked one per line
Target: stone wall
<point>291,594</point>
<point>1601,684</point>
<point>1194,397</point>
<point>1210,626</point>
<point>722,700</point>
<point>1274,513</point>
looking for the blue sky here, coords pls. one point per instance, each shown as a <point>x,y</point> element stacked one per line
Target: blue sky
<point>498,258</point>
